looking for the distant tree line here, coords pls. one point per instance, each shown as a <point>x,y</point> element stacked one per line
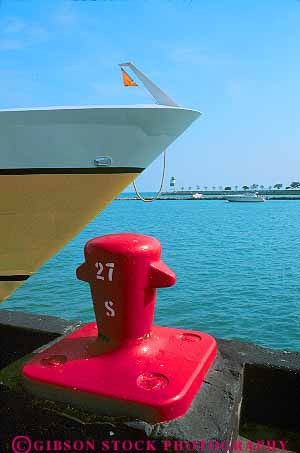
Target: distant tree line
<point>278,186</point>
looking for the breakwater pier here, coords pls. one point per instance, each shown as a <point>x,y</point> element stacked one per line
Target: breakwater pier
<point>220,198</point>
<point>200,195</point>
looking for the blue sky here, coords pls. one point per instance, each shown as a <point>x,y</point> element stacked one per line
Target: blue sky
<point>237,61</point>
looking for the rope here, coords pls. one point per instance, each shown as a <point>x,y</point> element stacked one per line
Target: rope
<point>161,184</point>
<point>164,163</point>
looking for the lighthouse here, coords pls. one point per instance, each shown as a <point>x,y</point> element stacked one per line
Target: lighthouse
<point>172,183</point>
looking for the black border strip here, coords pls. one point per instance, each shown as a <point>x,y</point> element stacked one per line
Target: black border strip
<point>69,171</point>
<point>13,278</point>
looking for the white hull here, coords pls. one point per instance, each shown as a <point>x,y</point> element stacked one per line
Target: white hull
<point>73,137</point>
<point>51,183</point>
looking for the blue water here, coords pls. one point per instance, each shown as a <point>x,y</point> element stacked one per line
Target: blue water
<point>237,268</point>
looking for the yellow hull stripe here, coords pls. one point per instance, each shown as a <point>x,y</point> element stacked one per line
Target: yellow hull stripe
<point>40,213</point>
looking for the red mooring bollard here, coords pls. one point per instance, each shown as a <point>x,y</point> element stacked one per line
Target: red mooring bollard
<point>122,364</point>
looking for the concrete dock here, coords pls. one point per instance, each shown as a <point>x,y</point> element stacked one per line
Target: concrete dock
<point>249,397</point>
